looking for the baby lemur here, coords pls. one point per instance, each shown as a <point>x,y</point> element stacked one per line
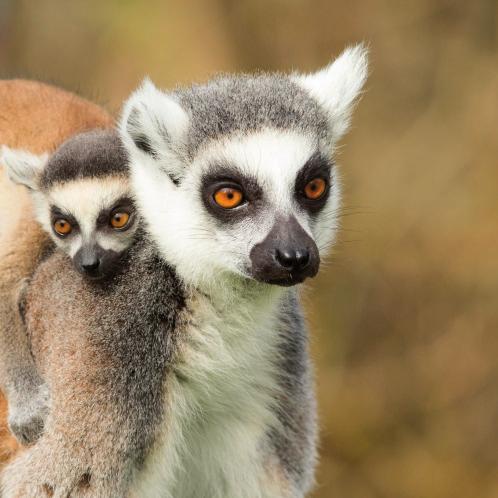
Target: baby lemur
<point>82,199</point>
<point>103,348</point>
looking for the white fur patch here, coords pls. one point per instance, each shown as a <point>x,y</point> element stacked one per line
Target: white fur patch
<point>84,199</point>
<point>337,86</point>
<point>22,166</point>
<point>219,406</point>
<point>203,251</point>
<point>219,400</point>
<point>151,113</point>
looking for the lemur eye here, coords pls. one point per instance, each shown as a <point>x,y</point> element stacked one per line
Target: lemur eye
<point>228,197</point>
<point>315,189</point>
<point>119,219</point>
<point>62,226</point>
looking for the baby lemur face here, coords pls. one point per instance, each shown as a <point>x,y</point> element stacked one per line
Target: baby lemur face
<point>82,198</point>
<point>91,220</point>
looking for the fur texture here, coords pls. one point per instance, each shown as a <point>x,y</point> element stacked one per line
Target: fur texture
<point>94,154</point>
<point>156,368</point>
<point>40,118</point>
<point>62,188</point>
<point>104,349</point>
<point>82,182</point>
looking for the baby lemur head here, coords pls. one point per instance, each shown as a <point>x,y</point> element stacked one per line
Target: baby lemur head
<point>82,198</point>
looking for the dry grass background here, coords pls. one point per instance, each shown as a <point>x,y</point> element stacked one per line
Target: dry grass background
<point>405,316</point>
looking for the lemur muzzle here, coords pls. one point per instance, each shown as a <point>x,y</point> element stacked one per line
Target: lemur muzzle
<point>287,256</point>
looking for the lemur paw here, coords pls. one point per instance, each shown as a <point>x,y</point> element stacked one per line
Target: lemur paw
<point>47,470</point>
<point>57,468</point>
<point>27,415</point>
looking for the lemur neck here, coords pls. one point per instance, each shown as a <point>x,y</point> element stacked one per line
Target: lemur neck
<point>231,294</point>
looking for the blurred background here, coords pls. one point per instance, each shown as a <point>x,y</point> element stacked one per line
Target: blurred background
<point>404,316</point>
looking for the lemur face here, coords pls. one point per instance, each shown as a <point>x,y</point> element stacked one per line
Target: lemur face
<point>82,198</point>
<point>236,178</point>
<point>263,197</point>
<point>92,220</point>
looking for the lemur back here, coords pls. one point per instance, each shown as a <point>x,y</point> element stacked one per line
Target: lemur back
<point>104,348</point>
<point>40,117</point>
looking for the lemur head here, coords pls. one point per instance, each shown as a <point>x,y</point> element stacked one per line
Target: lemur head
<point>82,198</point>
<point>237,177</point>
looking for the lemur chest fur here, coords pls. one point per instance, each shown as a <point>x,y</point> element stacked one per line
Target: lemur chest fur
<point>219,404</point>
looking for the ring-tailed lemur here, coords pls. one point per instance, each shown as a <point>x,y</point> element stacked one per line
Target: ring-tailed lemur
<point>81,197</point>
<point>236,183</point>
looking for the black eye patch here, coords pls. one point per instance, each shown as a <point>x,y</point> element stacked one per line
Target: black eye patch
<point>317,166</point>
<point>58,214</point>
<point>226,177</point>
<point>124,204</point>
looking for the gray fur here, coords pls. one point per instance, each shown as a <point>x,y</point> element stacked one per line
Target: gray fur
<point>243,103</point>
<point>104,354</point>
<point>248,103</point>
<point>91,154</point>
<point>20,380</point>
<point>296,444</point>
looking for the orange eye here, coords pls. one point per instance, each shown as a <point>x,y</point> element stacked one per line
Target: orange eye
<point>228,197</point>
<point>119,219</point>
<point>62,226</point>
<point>315,189</point>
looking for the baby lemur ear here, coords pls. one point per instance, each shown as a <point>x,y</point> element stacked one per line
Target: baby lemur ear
<point>23,167</point>
<point>153,125</point>
<point>337,86</point>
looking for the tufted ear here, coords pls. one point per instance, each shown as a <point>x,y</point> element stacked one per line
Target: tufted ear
<point>22,167</point>
<point>337,86</point>
<point>153,125</point>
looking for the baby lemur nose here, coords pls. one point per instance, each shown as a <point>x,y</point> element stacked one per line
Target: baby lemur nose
<point>90,266</point>
<point>293,259</point>
<point>88,261</point>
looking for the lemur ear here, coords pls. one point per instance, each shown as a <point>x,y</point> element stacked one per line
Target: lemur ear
<point>23,167</point>
<point>153,125</point>
<point>337,86</point>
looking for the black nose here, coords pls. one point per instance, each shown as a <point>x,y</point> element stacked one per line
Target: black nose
<point>90,266</point>
<point>287,256</point>
<point>293,259</point>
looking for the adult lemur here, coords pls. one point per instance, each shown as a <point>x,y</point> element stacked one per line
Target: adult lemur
<point>201,335</point>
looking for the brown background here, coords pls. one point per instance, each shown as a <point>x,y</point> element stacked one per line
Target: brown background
<point>404,316</point>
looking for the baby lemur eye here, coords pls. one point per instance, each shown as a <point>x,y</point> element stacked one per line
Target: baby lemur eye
<point>228,197</point>
<point>119,219</point>
<point>315,189</point>
<point>62,227</point>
